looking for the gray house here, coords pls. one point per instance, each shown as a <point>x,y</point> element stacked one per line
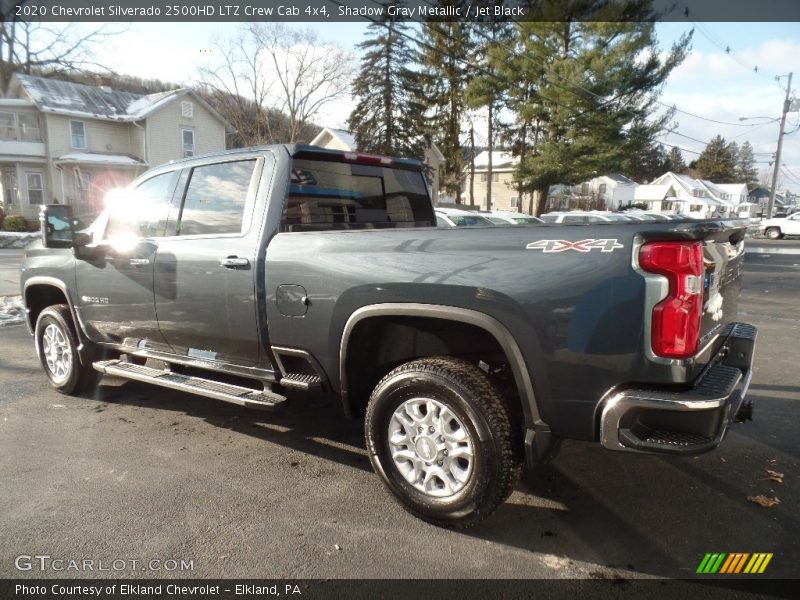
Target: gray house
<point>70,143</point>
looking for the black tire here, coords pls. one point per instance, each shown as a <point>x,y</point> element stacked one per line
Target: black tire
<point>76,377</point>
<point>468,394</point>
<point>773,233</point>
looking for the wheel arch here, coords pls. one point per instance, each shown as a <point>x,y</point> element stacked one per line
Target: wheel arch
<point>462,316</point>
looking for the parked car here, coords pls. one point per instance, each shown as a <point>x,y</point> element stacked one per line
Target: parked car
<point>502,217</point>
<point>454,217</point>
<point>241,275</point>
<point>581,216</point>
<point>777,228</point>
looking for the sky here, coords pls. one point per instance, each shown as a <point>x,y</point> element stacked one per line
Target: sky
<point>711,83</point>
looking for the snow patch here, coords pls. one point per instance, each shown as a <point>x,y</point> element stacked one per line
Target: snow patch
<point>15,239</point>
<point>106,159</point>
<point>12,310</point>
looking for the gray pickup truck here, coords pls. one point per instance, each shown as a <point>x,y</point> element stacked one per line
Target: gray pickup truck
<point>467,351</point>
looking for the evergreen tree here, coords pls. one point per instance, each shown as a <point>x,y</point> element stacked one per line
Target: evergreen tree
<point>675,162</point>
<point>588,91</point>
<point>746,171</point>
<point>716,161</point>
<point>443,52</point>
<point>645,166</point>
<point>386,117</point>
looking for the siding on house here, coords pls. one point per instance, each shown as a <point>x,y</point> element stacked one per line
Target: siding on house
<point>164,127</point>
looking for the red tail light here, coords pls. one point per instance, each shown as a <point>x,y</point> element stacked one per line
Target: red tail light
<point>676,319</point>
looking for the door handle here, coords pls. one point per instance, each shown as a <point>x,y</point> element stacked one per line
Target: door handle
<point>139,262</point>
<point>230,262</point>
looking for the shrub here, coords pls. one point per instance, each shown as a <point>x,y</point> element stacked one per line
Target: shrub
<point>15,223</point>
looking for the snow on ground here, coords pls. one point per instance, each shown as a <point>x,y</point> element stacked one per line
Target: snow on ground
<point>14,239</point>
<point>12,310</point>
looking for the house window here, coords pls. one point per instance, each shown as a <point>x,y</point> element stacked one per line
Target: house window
<point>83,182</point>
<point>77,135</point>
<point>485,177</point>
<point>667,205</point>
<point>7,129</point>
<point>698,193</point>
<point>187,139</point>
<point>187,109</point>
<point>29,127</point>
<point>602,188</point>
<point>35,188</point>
<point>515,202</point>
<point>9,186</point>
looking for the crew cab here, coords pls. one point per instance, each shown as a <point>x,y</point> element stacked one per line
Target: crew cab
<point>467,351</point>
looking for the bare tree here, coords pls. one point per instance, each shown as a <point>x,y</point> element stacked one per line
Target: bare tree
<point>54,48</point>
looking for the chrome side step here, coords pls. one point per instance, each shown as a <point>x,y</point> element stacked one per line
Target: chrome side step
<point>226,392</point>
<point>300,381</point>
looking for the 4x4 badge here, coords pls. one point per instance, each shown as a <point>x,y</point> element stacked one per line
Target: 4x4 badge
<point>605,245</point>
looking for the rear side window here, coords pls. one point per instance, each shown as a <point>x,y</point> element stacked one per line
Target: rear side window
<point>335,195</point>
<point>577,219</point>
<point>215,198</point>
<point>550,218</point>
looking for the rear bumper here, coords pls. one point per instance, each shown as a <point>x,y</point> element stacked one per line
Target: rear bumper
<point>690,421</point>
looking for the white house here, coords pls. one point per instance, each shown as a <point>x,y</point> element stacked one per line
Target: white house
<point>504,195</point>
<point>657,197</point>
<point>738,194</point>
<point>70,143</point>
<point>340,139</point>
<point>693,197</point>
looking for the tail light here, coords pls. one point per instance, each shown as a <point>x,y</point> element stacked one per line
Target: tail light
<point>676,319</point>
<point>368,159</point>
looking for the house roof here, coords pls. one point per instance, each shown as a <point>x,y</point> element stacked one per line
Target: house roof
<point>98,158</point>
<point>345,137</point>
<point>619,178</point>
<point>651,191</point>
<point>501,161</point>
<point>100,102</point>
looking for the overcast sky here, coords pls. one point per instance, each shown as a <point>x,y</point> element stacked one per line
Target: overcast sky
<point>711,83</point>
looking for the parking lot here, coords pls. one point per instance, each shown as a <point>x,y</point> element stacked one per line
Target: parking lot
<point>142,473</point>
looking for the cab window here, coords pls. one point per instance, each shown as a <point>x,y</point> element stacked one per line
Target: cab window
<point>141,212</point>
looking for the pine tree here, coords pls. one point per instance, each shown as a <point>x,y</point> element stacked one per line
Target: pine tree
<point>386,117</point>
<point>675,162</point>
<point>716,161</point>
<point>745,170</point>
<point>443,53</point>
<point>645,166</point>
<point>589,90</point>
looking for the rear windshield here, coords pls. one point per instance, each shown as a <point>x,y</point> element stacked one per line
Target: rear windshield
<point>336,195</point>
<point>470,220</point>
<point>526,220</point>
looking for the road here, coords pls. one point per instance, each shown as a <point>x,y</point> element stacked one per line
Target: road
<point>9,272</point>
<point>137,472</point>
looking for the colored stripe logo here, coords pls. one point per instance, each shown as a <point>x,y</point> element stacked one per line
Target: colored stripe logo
<point>734,563</point>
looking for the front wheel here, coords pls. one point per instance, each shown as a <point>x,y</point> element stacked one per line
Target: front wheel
<point>57,347</point>
<point>440,436</point>
<point>773,233</point>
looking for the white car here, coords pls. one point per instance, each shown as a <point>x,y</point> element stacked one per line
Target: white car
<point>581,216</point>
<point>504,217</point>
<point>455,217</point>
<point>777,228</point>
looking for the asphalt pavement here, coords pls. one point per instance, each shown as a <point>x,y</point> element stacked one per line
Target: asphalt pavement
<point>9,271</point>
<point>138,473</point>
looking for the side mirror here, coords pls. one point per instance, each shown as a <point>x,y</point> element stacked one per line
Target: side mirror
<point>57,226</point>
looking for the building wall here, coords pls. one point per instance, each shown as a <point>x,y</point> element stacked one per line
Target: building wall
<point>101,136</point>
<point>502,190</point>
<point>164,142</point>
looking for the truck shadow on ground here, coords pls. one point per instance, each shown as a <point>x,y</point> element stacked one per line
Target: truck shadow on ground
<point>654,515</point>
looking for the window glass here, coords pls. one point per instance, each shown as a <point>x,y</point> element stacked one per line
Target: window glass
<point>215,198</point>
<point>77,130</point>
<point>187,138</point>
<point>7,129</point>
<point>29,128</point>
<point>440,222</point>
<point>526,220</point>
<point>335,195</point>
<point>470,220</point>
<point>550,218</point>
<point>35,188</point>
<point>141,212</point>
<point>576,219</point>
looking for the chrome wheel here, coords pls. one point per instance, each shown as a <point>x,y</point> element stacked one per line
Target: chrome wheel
<point>57,353</point>
<point>431,447</point>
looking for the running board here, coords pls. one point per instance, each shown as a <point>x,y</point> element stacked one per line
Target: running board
<point>235,394</point>
<point>300,381</point>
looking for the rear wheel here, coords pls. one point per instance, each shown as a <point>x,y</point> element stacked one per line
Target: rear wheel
<point>57,347</point>
<point>440,436</point>
<point>773,233</point>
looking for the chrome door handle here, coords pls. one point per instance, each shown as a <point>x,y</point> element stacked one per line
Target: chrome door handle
<point>139,262</point>
<point>233,261</point>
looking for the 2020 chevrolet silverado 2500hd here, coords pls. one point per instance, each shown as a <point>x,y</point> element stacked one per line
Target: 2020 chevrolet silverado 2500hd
<point>466,350</point>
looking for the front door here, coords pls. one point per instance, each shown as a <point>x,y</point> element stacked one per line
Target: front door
<point>205,271</point>
<point>114,275</point>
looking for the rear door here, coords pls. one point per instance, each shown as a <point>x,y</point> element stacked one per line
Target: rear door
<point>205,271</point>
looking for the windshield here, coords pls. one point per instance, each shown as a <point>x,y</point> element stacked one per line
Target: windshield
<point>498,220</point>
<point>469,220</point>
<point>526,220</point>
<point>617,218</point>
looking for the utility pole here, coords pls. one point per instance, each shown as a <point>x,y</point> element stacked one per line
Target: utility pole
<point>472,165</point>
<point>778,151</point>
